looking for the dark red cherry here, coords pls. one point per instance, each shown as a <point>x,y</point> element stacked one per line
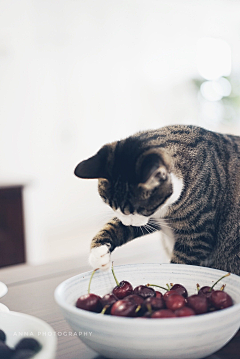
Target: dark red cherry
<point>90,302</point>
<point>124,308</point>
<point>205,291</point>
<point>135,299</point>
<point>158,294</point>
<point>123,289</point>
<point>198,303</point>
<point>180,289</point>
<point>184,312</point>
<point>147,315</point>
<point>139,301</point>
<point>163,313</point>
<point>175,301</point>
<point>220,299</point>
<point>144,291</point>
<point>154,303</point>
<point>168,293</point>
<point>108,299</point>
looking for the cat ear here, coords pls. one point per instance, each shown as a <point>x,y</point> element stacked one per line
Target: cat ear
<point>95,166</point>
<point>160,174</point>
<point>154,169</point>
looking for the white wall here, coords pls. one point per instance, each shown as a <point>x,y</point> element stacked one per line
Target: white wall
<point>75,74</point>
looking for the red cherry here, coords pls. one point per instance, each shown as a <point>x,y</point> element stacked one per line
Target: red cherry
<point>220,299</point>
<point>175,301</point>
<point>163,313</point>
<point>169,293</point>
<point>135,299</point>
<point>206,291</point>
<point>90,302</point>
<point>124,308</point>
<point>158,294</point>
<point>144,291</point>
<point>108,299</point>
<point>147,315</point>
<point>180,289</point>
<point>154,303</point>
<point>123,289</point>
<point>198,303</point>
<point>184,312</point>
<point>139,301</point>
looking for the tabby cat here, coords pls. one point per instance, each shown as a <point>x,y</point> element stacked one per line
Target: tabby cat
<point>183,180</point>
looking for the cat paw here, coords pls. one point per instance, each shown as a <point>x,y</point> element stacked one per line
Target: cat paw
<point>100,257</point>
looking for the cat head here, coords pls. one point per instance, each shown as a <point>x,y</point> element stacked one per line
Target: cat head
<point>134,180</point>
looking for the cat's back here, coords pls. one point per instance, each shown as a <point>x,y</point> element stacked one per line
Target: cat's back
<point>178,135</point>
<point>191,146</point>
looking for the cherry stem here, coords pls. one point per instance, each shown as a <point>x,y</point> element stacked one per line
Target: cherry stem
<point>90,280</point>
<point>138,308</point>
<point>198,287</point>
<point>149,308</point>
<point>117,282</point>
<point>155,285</point>
<point>226,275</point>
<point>105,308</point>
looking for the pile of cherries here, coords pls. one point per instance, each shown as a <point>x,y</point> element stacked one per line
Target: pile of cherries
<point>26,348</point>
<point>146,302</point>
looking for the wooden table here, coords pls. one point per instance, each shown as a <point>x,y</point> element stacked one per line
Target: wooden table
<point>31,290</point>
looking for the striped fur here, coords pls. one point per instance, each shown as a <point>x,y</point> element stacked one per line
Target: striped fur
<point>136,178</point>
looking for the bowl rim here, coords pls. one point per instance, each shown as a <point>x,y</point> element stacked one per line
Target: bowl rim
<point>164,321</point>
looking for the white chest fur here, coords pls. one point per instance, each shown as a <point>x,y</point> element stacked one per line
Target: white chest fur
<point>167,232</point>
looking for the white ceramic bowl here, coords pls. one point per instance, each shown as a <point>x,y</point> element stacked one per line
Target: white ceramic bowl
<point>18,326</point>
<point>117,337</point>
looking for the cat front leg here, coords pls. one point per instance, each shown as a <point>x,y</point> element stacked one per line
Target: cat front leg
<point>113,235</point>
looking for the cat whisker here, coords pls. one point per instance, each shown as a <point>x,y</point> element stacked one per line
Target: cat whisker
<point>149,228</point>
<point>141,230</point>
<point>159,222</point>
<point>145,227</point>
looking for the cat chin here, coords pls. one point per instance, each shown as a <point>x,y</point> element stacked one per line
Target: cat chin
<point>135,220</point>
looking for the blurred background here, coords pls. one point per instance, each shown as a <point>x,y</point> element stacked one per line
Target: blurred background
<point>76,74</point>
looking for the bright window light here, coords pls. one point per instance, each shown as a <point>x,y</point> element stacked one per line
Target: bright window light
<point>213,58</point>
<point>215,90</point>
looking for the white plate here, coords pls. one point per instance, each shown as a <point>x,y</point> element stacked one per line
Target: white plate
<point>3,308</point>
<point>19,325</point>
<point>3,289</point>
